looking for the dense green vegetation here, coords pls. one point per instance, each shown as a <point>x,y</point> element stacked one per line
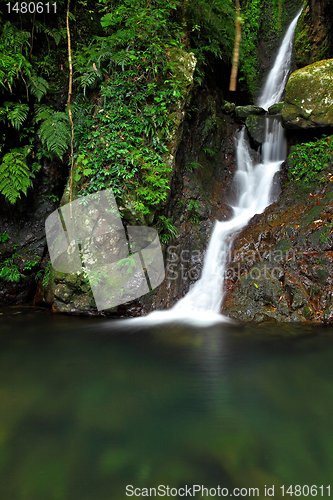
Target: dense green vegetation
<point>309,161</point>
<point>262,22</point>
<point>126,90</point>
<point>127,87</point>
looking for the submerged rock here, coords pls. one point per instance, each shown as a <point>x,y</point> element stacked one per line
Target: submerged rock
<point>309,97</point>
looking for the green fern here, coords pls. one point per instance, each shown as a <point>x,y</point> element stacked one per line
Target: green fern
<point>16,113</point>
<point>14,44</point>
<point>38,86</point>
<point>54,131</point>
<point>9,271</point>
<point>15,176</point>
<point>56,34</point>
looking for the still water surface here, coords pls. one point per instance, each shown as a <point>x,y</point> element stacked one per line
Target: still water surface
<point>89,406</point>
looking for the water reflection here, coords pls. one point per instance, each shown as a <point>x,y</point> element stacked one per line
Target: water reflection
<point>89,406</point>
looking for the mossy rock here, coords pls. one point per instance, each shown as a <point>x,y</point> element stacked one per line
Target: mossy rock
<point>242,112</point>
<point>256,127</point>
<point>309,97</point>
<point>228,107</point>
<point>275,109</point>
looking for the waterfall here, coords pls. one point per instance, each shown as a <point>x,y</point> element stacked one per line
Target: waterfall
<point>278,75</point>
<point>253,184</point>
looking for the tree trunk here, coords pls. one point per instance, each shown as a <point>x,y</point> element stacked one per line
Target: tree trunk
<point>234,70</point>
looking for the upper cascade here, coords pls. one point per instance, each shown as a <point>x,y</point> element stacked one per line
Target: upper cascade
<point>277,78</point>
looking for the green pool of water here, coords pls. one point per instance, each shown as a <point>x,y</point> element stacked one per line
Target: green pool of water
<point>88,407</point>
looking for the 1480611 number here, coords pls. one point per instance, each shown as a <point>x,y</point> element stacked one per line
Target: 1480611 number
<point>305,490</point>
<point>32,7</point>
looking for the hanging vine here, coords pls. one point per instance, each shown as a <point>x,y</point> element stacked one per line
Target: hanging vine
<point>69,98</point>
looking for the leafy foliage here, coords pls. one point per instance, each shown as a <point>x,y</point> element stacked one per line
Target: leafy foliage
<point>9,271</point>
<point>15,112</point>
<point>54,130</point>
<point>211,29</point>
<point>309,159</point>
<point>38,86</point>
<point>14,64</point>
<point>47,274</point>
<point>4,237</point>
<point>15,176</point>
<point>130,126</point>
<point>168,231</point>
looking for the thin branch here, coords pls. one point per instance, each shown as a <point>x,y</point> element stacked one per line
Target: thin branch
<point>210,12</point>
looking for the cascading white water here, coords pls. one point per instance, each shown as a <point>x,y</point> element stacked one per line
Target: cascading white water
<point>253,183</point>
<point>278,75</point>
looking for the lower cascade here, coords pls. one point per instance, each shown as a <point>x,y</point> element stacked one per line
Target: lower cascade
<point>253,185</point>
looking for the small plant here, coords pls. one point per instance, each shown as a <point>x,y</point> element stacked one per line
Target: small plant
<point>4,237</point>
<point>128,263</point>
<point>52,197</point>
<point>324,236</point>
<point>9,271</point>
<point>39,275</point>
<point>30,264</point>
<point>193,166</point>
<point>47,275</point>
<point>195,219</point>
<point>169,231</point>
<point>193,205</point>
<point>210,152</point>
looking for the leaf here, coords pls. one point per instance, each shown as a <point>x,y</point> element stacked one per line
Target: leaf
<point>38,86</point>
<point>54,131</point>
<point>17,114</point>
<point>15,176</point>
<point>106,20</point>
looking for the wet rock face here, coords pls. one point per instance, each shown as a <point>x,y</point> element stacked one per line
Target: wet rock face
<point>281,267</point>
<point>314,40</point>
<point>309,97</point>
<point>23,252</point>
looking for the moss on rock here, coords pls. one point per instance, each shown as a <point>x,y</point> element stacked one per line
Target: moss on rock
<point>309,97</point>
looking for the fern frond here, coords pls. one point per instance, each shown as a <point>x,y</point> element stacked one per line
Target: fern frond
<point>15,176</point>
<point>88,79</point>
<point>54,131</point>
<point>17,113</point>
<point>38,86</point>
<point>42,112</point>
<point>56,34</point>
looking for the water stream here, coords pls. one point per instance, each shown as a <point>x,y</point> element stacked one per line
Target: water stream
<point>253,183</point>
